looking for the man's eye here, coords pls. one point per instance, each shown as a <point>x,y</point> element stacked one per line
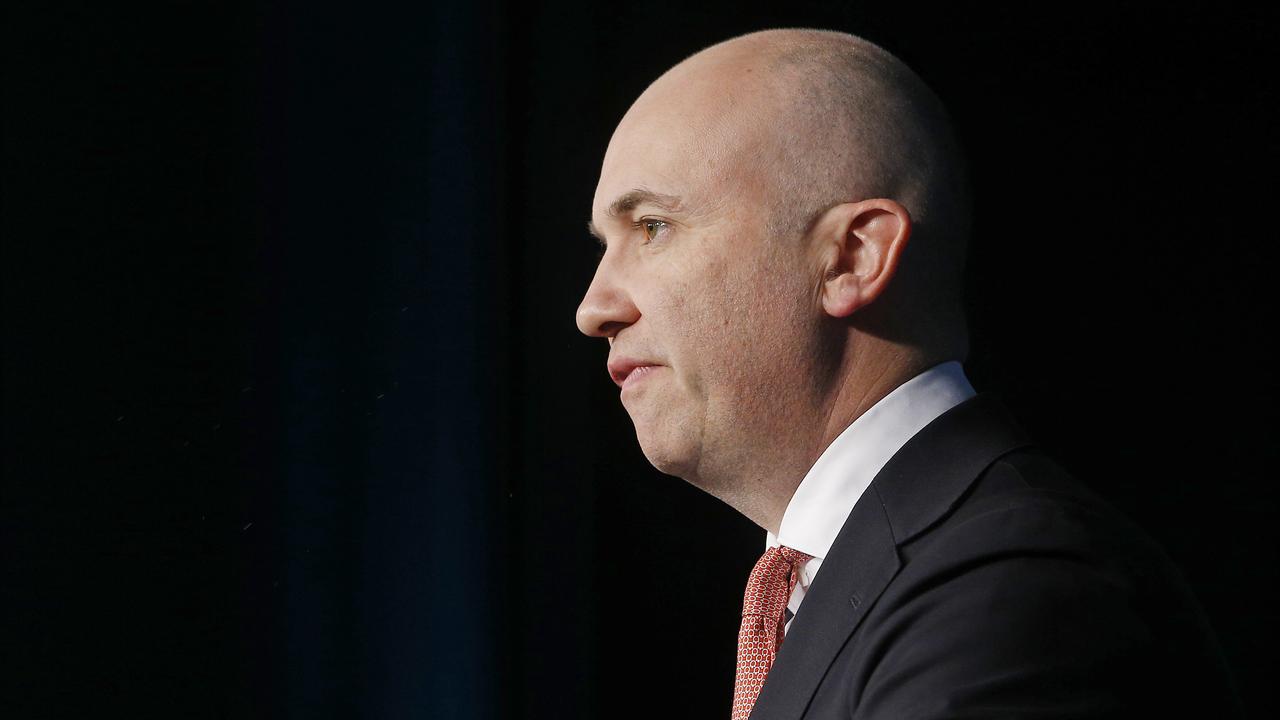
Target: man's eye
<point>650,228</point>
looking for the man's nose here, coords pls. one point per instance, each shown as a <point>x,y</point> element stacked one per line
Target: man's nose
<point>607,307</point>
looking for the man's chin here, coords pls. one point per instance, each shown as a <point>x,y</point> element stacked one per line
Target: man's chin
<point>665,456</point>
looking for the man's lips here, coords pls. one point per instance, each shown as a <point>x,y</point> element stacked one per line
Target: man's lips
<point>621,368</point>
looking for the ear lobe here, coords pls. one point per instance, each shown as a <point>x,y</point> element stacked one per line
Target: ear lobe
<point>841,295</point>
<point>867,239</point>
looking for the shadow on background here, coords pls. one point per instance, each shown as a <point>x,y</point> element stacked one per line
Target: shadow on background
<point>297,421</point>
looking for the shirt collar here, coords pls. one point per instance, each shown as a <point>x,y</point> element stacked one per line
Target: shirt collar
<point>828,492</point>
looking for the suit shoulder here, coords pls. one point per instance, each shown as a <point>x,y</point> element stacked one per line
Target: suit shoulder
<point>1033,580</point>
<point>1030,473</point>
<point>1026,505</point>
<point>1028,483</point>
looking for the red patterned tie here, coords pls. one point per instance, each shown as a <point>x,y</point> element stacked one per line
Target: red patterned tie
<point>768,589</point>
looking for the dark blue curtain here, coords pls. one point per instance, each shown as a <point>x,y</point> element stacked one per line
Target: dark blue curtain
<point>380,186</point>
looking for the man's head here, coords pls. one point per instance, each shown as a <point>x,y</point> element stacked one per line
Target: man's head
<point>757,201</point>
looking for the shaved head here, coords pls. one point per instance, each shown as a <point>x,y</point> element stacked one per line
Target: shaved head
<point>819,117</point>
<point>851,121</point>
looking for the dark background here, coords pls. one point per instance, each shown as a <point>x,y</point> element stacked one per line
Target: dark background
<point>297,421</point>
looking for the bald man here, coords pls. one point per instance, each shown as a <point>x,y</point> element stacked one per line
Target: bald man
<point>784,217</point>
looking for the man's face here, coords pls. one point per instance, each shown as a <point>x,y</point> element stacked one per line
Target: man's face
<point>694,287</point>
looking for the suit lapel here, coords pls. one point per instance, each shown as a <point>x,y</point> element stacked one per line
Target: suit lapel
<point>917,487</point>
<point>833,607</point>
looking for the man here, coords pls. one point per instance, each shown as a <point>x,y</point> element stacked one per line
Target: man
<point>784,217</point>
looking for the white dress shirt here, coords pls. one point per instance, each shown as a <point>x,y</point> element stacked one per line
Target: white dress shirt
<point>828,492</point>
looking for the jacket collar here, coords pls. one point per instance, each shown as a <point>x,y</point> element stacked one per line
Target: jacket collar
<point>917,487</point>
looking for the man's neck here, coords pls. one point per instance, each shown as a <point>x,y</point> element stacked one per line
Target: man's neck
<point>861,388</point>
<point>761,488</point>
<point>862,382</point>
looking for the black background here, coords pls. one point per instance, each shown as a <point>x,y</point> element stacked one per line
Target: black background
<point>297,420</point>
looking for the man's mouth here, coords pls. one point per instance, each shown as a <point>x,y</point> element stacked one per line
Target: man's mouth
<point>637,373</point>
<point>624,370</point>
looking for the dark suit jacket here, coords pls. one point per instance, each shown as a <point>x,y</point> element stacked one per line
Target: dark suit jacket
<point>975,579</point>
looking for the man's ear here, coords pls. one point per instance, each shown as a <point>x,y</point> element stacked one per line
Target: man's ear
<point>861,244</point>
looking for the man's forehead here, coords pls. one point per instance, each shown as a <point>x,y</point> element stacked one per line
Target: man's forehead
<point>686,143</point>
<point>670,167</point>
<point>649,166</point>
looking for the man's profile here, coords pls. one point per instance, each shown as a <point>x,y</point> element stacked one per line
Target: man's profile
<point>785,216</point>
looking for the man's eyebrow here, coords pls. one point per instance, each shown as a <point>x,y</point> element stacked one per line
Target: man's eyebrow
<point>632,199</point>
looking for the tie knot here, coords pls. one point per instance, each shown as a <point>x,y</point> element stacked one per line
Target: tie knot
<point>794,557</point>
<point>771,582</point>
